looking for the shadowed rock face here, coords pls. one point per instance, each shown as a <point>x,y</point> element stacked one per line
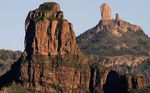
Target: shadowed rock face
<point>115,83</point>
<point>47,33</point>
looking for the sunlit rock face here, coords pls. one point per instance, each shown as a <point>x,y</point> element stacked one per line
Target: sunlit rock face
<point>118,45</point>
<point>105,12</point>
<point>54,61</point>
<point>48,33</point>
<point>113,37</point>
<point>51,61</point>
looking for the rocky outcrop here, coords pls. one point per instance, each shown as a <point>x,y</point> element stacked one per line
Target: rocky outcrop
<point>52,61</point>
<point>130,60</point>
<point>122,83</point>
<point>55,74</point>
<point>105,12</point>
<point>135,82</point>
<point>114,80</point>
<point>113,37</point>
<point>47,33</point>
<point>118,46</point>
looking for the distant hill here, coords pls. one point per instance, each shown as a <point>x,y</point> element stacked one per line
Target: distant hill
<point>114,37</point>
<point>121,46</point>
<point>7,57</point>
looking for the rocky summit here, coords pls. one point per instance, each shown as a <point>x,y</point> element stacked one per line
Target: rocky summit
<point>48,33</point>
<point>105,12</point>
<point>116,59</point>
<point>51,61</point>
<point>119,46</point>
<point>112,37</point>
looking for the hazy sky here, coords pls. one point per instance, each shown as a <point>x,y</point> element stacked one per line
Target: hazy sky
<point>83,14</point>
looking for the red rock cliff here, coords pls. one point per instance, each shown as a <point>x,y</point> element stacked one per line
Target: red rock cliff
<point>48,33</point>
<point>52,61</point>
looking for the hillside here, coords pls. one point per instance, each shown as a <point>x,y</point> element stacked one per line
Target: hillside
<point>118,45</point>
<point>113,37</point>
<point>52,61</point>
<point>7,58</point>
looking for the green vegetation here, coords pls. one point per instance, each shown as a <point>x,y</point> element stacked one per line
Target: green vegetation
<point>41,18</point>
<point>14,89</point>
<point>143,90</point>
<point>9,56</point>
<point>38,18</point>
<point>144,68</point>
<point>46,7</point>
<point>103,43</point>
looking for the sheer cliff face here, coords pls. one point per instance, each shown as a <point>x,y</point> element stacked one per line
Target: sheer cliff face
<point>52,61</point>
<point>51,58</point>
<point>48,33</point>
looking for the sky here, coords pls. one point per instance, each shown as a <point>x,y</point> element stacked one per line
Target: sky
<point>83,14</point>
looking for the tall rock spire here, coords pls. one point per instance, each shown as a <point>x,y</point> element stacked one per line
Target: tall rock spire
<point>52,61</point>
<point>48,33</point>
<point>105,12</point>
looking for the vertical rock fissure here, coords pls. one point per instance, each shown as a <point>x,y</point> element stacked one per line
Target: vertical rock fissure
<point>49,37</point>
<point>91,83</point>
<point>29,39</point>
<point>59,36</point>
<point>36,45</point>
<point>33,77</point>
<point>29,70</point>
<point>42,73</point>
<point>97,80</point>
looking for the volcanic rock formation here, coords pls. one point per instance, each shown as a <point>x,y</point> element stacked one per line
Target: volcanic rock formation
<point>48,33</point>
<point>52,61</point>
<point>53,58</point>
<point>105,12</point>
<point>113,37</point>
<point>120,47</point>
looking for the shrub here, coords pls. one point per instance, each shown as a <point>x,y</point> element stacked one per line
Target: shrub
<point>16,89</point>
<point>143,90</point>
